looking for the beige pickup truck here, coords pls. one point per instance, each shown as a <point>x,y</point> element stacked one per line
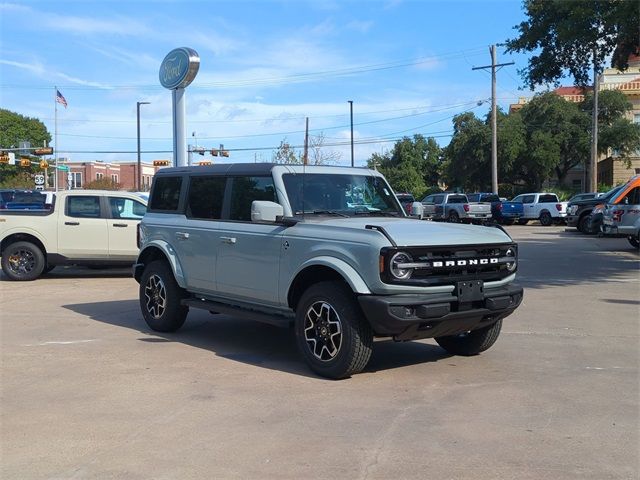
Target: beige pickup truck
<point>83,227</point>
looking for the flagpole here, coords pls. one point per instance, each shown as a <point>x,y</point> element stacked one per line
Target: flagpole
<point>55,106</point>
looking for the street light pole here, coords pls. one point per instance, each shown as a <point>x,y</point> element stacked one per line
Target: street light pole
<point>351,114</point>
<point>138,175</point>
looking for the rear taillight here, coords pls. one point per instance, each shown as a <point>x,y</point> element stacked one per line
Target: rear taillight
<point>558,207</point>
<point>617,215</point>
<point>499,207</point>
<point>466,207</point>
<point>409,208</point>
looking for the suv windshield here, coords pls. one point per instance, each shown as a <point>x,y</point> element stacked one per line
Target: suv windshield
<point>340,193</point>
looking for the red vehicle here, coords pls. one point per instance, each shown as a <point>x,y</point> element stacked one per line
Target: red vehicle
<point>406,200</point>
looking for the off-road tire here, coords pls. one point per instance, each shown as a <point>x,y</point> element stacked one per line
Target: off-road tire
<point>546,219</point>
<point>23,261</point>
<point>331,332</point>
<point>453,217</point>
<point>161,297</point>
<point>471,343</point>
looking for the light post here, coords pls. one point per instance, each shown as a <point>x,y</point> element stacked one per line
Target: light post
<point>138,174</point>
<point>351,114</point>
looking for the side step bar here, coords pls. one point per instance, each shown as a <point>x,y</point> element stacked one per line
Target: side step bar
<point>273,319</point>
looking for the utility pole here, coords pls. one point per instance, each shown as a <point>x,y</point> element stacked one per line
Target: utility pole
<point>494,119</point>
<point>351,114</point>
<point>138,175</point>
<point>306,143</point>
<point>593,164</point>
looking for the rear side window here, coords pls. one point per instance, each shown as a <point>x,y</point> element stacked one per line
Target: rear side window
<point>437,199</point>
<point>205,197</point>
<point>633,197</point>
<point>549,198</point>
<point>457,199</point>
<point>528,199</point>
<point>247,189</point>
<point>83,207</point>
<point>166,193</point>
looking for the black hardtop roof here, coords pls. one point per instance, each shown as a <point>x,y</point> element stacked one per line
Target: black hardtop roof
<point>220,169</point>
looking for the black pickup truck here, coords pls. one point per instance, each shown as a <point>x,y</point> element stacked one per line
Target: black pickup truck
<point>578,212</point>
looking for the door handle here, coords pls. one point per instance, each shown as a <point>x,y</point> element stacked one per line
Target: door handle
<point>72,223</point>
<point>182,235</point>
<point>121,225</point>
<point>229,240</point>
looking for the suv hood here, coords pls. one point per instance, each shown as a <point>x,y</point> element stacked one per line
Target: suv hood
<point>411,232</point>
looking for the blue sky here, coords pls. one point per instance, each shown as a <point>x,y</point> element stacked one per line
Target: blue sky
<point>264,67</point>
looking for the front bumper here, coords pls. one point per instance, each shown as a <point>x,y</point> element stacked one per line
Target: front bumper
<point>411,317</point>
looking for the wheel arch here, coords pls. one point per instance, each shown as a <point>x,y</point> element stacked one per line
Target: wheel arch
<point>159,251</point>
<point>324,270</point>
<point>22,237</point>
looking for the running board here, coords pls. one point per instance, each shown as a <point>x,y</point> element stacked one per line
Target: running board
<point>273,319</point>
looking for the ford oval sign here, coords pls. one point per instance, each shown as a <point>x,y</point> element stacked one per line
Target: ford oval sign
<point>179,68</point>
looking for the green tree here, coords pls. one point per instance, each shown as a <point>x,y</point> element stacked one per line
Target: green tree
<point>557,136</point>
<point>575,36</point>
<point>615,131</point>
<point>286,154</point>
<point>102,184</point>
<point>468,155</point>
<point>16,128</point>
<point>412,166</point>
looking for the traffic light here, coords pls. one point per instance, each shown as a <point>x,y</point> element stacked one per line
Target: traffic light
<point>44,164</point>
<point>160,163</point>
<point>225,153</point>
<point>204,163</point>
<point>214,152</point>
<point>25,162</point>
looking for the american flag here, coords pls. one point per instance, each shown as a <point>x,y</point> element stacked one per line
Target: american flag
<point>60,98</point>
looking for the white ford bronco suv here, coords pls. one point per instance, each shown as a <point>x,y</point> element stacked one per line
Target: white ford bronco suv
<point>328,250</point>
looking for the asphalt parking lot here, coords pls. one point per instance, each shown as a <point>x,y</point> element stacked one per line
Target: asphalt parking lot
<point>89,392</point>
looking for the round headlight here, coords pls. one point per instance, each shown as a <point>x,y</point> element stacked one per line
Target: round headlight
<point>395,263</point>
<point>511,266</point>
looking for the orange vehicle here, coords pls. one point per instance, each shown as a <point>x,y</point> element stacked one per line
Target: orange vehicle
<point>596,217</point>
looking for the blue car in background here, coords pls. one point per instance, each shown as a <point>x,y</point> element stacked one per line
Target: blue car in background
<point>12,199</point>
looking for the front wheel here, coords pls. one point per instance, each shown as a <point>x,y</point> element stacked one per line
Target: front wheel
<point>161,298</point>
<point>473,342</point>
<point>331,332</point>
<point>545,219</point>
<point>23,261</point>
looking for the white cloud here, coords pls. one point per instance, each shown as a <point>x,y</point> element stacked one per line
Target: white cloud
<point>118,25</point>
<point>43,71</point>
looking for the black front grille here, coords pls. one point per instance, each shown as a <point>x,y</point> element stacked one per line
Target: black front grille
<point>447,265</point>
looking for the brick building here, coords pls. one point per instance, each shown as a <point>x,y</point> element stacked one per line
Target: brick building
<point>122,173</point>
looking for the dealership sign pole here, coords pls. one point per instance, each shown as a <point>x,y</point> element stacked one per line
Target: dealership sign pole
<point>177,71</point>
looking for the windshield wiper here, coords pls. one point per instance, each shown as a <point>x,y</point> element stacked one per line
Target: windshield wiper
<point>376,213</point>
<point>326,212</point>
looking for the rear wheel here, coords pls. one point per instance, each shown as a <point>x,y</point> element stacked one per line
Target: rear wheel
<point>331,332</point>
<point>23,261</point>
<point>473,342</point>
<point>453,217</point>
<point>545,219</point>
<point>161,298</point>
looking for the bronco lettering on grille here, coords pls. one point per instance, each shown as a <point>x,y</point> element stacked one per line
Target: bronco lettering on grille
<point>464,263</point>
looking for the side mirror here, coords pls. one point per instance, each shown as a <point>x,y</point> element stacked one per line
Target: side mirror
<point>265,211</point>
<point>417,210</point>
